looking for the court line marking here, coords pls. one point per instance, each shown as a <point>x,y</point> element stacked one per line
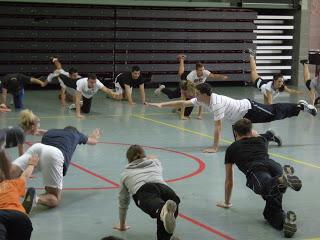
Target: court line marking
<point>200,162</point>
<point>187,218</point>
<point>206,227</point>
<point>222,140</point>
<point>95,116</point>
<point>116,186</point>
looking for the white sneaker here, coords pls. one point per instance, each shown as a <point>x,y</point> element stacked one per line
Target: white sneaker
<point>159,89</point>
<point>309,108</point>
<point>72,106</point>
<point>252,52</point>
<point>167,216</point>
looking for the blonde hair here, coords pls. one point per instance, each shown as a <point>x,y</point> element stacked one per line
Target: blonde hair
<point>189,87</point>
<point>28,119</point>
<point>135,152</point>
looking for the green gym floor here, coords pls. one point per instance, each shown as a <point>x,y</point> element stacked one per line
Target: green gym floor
<point>89,207</point>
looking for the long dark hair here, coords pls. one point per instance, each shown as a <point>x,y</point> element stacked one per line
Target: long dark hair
<point>5,166</point>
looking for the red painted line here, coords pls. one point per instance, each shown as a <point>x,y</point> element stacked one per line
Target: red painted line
<point>84,188</point>
<point>206,227</point>
<point>95,175</point>
<point>201,164</point>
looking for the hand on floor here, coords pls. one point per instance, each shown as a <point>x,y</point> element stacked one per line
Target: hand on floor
<point>121,228</point>
<point>210,150</point>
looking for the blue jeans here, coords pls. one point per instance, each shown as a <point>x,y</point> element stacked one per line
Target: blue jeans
<point>17,99</point>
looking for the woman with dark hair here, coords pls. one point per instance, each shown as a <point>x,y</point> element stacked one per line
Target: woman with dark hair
<point>14,222</point>
<point>269,89</point>
<point>142,178</point>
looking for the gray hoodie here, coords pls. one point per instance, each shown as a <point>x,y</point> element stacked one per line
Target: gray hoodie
<point>136,174</point>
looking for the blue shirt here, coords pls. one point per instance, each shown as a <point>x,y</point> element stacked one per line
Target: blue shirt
<point>66,141</point>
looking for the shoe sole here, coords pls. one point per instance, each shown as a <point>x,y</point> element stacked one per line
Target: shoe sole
<point>293,181</point>
<point>169,221</point>
<point>27,204</point>
<point>275,136</point>
<point>289,226</point>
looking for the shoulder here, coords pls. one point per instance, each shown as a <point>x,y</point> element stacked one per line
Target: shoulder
<point>207,72</point>
<point>191,74</point>
<point>82,80</point>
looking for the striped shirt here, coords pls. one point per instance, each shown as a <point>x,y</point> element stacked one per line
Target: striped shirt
<point>225,107</point>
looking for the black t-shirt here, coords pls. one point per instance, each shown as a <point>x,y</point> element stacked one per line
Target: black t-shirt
<point>7,82</point>
<point>246,153</point>
<point>66,141</point>
<point>126,79</point>
<point>14,136</point>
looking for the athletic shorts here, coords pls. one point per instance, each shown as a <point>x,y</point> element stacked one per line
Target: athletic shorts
<point>119,89</point>
<point>259,82</point>
<point>308,82</point>
<point>50,164</point>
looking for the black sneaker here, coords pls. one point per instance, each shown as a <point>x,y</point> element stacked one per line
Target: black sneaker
<point>291,180</point>
<point>308,107</point>
<point>274,137</point>
<point>304,61</point>
<point>252,52</point>
<point>29,200</point>
<point>289,225</point>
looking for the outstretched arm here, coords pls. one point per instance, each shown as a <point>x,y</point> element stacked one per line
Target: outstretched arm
<point>94,136</point>
<point>291,91</point>
<point>110,93</point>
<point>172,104</point>
<point>32,163</point>
<point>218,76</point>
<point>39,82</point>
<point>228,185</point>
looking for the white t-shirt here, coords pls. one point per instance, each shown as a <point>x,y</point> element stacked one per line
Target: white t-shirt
<point>268,87</point>
<point>222,106</point>
<point>82,86</point>
<point>315,84</point>
<point>192,76</point>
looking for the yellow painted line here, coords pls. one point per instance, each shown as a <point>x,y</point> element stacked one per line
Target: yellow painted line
<point>93,116</point>
<point>316,238</point>
<point>223,140</point>
<point>177,127</point>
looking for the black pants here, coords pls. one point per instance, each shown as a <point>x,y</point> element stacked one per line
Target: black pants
<point>14,225</point>
<point>150,198</point>
<point>262,178</point>
<point>71,83</point>
<point>176,93</point>
<point>86,105</point>
<point>261,113</point>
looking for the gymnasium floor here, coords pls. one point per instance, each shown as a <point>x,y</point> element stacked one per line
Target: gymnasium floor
<point>89,207</point>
